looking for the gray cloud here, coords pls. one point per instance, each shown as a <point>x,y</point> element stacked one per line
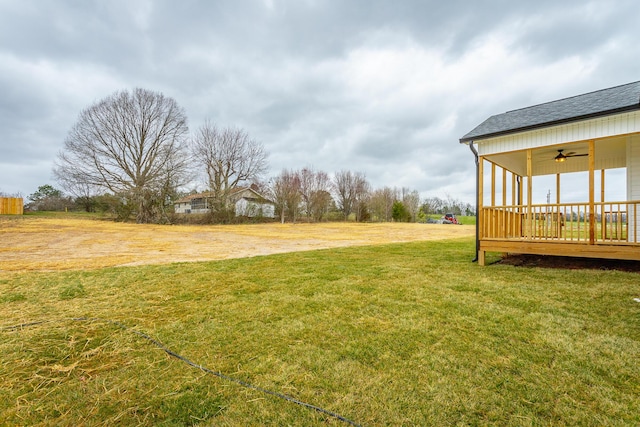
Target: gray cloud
<point>385,88</point>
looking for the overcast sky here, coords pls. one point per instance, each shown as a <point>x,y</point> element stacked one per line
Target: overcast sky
<point>386,88</point>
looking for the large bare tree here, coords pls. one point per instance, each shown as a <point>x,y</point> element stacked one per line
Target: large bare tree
<point>130,143</point>
<point>229,158</point>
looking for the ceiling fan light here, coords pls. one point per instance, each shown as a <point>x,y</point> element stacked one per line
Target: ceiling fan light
<point>561,158</point>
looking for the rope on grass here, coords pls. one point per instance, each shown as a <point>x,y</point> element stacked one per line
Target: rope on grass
<point>193,364</point>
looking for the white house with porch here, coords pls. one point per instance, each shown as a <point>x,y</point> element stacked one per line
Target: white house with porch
<point>591,133</point>
<point>245,200</point>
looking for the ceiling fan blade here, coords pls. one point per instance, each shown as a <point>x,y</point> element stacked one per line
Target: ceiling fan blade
<point>576,155</point>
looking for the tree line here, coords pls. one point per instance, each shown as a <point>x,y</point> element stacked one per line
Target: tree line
<point>131,153</point>
<point>298,195</point>
<point>314,196</point>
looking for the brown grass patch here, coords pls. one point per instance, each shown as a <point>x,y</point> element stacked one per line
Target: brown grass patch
<point>41,243</point>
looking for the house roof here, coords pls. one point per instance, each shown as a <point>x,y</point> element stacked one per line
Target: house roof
<point>193,196</point>
<point>234,191</point>
<point>593,104</point>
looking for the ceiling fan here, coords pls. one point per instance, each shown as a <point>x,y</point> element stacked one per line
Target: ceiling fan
<point>561,157</point>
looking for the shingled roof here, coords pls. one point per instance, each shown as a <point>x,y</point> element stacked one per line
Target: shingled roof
<point>593,104</point>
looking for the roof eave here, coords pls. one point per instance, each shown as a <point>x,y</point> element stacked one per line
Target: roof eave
<point>466,140</point>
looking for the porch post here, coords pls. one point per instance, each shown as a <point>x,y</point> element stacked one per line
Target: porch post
<point>592,214</point>
<point>529,194</point>
<point>513,229</point>
<point>559,218</point>
<point>480,214</point>
<point>503,223</point>
<point>603,219</point>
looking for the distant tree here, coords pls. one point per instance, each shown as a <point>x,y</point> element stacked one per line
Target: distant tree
<point>345,192</point>
<point>468,210</point>
<point>411,202</point>
<point>314,191</point>
<point>321,205</point>
<point>131,144</point>
<point>362,201</point>
<point>86,203</point>
<point>48,198</point>
<point>229,158</point>
<point>381,203</point>
<point>285,193</point>
<point>108,203</point>
<point>45,191</point>
<point>433,205</point>
<point>400,212</point>
<point>436,205</point>
<point>84,194</point>
<point>454,206</point>
<point>352,191</point>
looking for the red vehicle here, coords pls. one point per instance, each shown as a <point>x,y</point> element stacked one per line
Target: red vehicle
<point>449,219</point>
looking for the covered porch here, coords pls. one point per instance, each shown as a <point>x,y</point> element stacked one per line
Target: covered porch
<point>599,226</point>
<point>583,154</point>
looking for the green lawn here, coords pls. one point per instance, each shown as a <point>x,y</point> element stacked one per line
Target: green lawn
<point>405,334</point>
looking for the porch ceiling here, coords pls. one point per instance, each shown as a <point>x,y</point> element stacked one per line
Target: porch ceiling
<point>609,153</point>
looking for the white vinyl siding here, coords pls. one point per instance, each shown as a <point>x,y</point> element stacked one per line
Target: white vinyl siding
<point>252,209</point>
<point>601,127</point>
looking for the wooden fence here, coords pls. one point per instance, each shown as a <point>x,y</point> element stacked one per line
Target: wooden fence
<point>11,206</point>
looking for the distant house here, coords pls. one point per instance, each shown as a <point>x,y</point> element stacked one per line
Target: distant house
<point>246,201</point>
<point>591,133</point>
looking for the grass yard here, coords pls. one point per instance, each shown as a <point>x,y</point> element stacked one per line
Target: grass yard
<point>388,334</point>
<point>71,241</point>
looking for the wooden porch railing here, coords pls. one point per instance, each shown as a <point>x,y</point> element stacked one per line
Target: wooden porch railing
<point>610,222</point>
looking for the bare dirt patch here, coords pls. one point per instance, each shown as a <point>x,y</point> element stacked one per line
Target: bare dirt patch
<point>41,243</point>
<point>569,263</point>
